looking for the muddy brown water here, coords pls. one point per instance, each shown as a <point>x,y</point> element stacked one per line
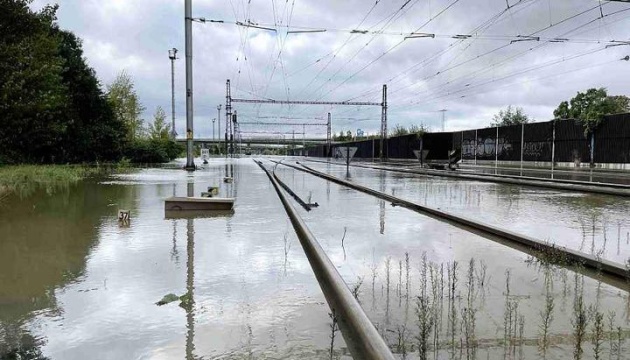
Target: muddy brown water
<point>77,284</point>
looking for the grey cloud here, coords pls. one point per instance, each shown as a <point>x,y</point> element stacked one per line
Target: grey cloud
<point>137,34</point>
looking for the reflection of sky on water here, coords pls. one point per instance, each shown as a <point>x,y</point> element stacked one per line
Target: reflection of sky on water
<point>252,299</point>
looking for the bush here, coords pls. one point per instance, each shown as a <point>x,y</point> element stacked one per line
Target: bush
<point>152,151</point>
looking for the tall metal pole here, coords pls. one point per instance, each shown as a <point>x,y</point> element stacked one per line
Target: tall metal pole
<point>172,54</point>
<point>213,120</point>
<point>328,136</point>
<point>553,147</point>
<point>496,151</point>
<point>190,161</point>
<point>228,114</point>
<point>303,139</point>
<point>383,122</point>
<point>476,146</point>
<point>522,145</point>
<point>232,126</point>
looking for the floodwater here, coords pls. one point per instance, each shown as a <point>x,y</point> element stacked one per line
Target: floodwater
<point>591,223</point>
<point>597,175</point>
<point>75,283</point>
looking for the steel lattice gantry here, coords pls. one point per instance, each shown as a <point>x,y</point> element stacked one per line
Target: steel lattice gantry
<point>383,154</point>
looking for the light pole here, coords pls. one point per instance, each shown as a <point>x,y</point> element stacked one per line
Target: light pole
<point>190,161</point>
<point>172,54</point>
<point>213,120</point>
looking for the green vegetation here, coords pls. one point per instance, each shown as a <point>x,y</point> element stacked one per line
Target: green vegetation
<point>53,107</point>
<point>400,130</point>
<point>24,179</point>
<point>510,116</point>
<point>591,106</point>
<point>155,146</point>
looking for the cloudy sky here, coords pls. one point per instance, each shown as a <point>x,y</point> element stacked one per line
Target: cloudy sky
<point>532,53</point>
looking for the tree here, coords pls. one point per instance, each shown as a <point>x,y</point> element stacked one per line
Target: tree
<point>340,137</point>
<point>418,129</point>
<point>510,116</point>
<point>159,129</point>
<point>93,131</point>
<point>399,130</point>
<point>591,106</point>
<point>124,100</point>
<point>32,95</point>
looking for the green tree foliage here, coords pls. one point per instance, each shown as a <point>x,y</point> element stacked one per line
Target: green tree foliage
<point>157,147</point>
<point>399,130</point>
<point>342,137</point>
<point>127,107</point>
<point>146,150</point>
<point>93,130</point>
<point>418,129</point>
<point>510,116</point>
<point>51,105</point>
<point>159,129</point>
<point>32,95</point>
<point>591,106</point>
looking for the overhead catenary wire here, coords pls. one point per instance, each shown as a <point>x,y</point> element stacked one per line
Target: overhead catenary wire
<point>478,30</point>
<point>547,40</point>
<point>334,55</point>
<point>518,55</point>
<point>388,20</point>
<point>444,84</point>
<point>388,51</point>
<point>558,74</point>
<point>493,66</point>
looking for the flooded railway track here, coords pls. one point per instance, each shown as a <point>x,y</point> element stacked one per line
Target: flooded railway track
<point>610,272</point>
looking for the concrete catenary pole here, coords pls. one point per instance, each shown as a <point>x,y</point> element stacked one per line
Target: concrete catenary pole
<point>172,54</point>
<point>190,161</point>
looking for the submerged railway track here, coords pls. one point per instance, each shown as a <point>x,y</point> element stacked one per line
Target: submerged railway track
<point>610,272</point>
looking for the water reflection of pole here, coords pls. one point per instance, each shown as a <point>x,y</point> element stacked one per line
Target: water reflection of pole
<point>174,254</point>
<point>189,304</point>
<point>190,286</point>
<point>328,192</point>
<point>382,202</point>
<point>190,189</point>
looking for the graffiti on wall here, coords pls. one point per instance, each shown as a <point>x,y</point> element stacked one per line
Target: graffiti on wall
<point>486,147</point>
<point>534,148</point>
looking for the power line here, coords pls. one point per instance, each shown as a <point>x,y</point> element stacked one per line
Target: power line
<point>339,48</point>
<point>501,62</point>
<point>390,19</point>
<point>479,29</point>
<point>389,50</point>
